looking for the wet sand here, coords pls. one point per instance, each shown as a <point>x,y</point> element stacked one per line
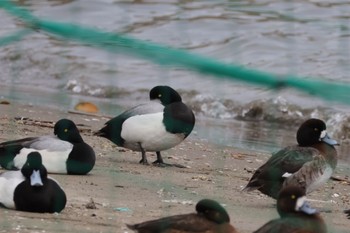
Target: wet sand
<point>119,190</point>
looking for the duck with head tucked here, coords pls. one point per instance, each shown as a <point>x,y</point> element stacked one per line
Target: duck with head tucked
<point>65,152</point>
<point>296,216</point>
<point>308,165</point>
<point>211,217</point>
<point>30,189</point>
<point>158,125</point>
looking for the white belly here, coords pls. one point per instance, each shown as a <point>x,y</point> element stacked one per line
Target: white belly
<point>149,132</point>
<point>54,161</point>
<point>8,183</point>
<point>322,179</point>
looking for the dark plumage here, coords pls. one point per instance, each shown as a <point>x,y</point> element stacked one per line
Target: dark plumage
<point>30,189</point>
<point>307,165</point>
<point>158,125</point>
<point>347,212</point>
<point>64,152</point>
<point>296,215</point>
<point>211,217</point>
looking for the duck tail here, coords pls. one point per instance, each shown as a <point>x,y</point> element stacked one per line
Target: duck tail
<point>104,132</point>
<point>131,227</point>
<point>250,187</point>
<point>100,133</point>
<point>7,154</point>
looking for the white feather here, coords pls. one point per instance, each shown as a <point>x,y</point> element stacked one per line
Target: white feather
<point>300,202</point>
<point>323,178</point>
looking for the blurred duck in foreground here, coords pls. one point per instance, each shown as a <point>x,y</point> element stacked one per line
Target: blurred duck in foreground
<point>211,217</point>
<point>30,189</point>
<point>296,215</point>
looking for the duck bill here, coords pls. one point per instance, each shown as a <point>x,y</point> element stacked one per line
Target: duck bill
<point>303,206</point>
<point>327,139</point>
<point>35,179</point>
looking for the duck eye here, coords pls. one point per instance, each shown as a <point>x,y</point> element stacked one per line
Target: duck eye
<point>65,130</point>
<point>160,95</point>
<point>316,129</point>
<point>293,197</point>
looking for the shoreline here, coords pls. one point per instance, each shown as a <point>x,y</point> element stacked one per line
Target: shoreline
<point>119,190</point>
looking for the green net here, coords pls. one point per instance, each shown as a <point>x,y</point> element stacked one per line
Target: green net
<point>166,55</point>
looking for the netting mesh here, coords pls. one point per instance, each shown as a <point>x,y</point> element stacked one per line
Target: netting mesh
<point>216,175</point>
<point>166,55</point>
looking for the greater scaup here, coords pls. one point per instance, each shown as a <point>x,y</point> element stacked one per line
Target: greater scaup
<point>295,214</point>
<point>309,164</point>
<point>211,217</point>
<point>64,152</point>
<point>30,189</point>
<point>159,125</point>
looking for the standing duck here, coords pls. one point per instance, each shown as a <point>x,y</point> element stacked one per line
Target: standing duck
<point>296,216</point>
<point>30,189</point>
<point>308,165</point>
<point>159,125</point>
<point>211,217</point>
<point>64,152</point>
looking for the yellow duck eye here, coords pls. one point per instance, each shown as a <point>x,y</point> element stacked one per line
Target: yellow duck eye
<point>160,95</point>
<point>65,130</point>
<point>316,129</point>
<point>293,197</point>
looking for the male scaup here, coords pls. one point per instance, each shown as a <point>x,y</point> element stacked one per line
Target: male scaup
<point>64,152</point>
<point>296,215</point>
<point>211,217</point>
<point>30,189</point>
<point>158,125</point>
<point>309,164</point>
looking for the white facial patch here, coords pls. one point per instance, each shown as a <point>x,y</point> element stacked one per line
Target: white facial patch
<point>35,179</point>
<point>323,134</point>
<point>300,203</point>
<point>287,174</point>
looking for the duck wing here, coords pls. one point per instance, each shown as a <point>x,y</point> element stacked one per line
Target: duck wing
<point>50,143</point>
<point>270,176</point>
<point>18,142</point>
<point>151,107</point>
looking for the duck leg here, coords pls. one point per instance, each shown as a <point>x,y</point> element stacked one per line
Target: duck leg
<point>143,154</point>
<point>161,163</point>
<point>159,160</point>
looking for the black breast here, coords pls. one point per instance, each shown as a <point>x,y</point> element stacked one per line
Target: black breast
<point>178,118</point>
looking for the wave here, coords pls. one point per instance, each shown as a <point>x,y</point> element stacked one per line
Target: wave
<point>272,110</point>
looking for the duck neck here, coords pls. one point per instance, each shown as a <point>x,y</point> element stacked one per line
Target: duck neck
<point>328,151</point>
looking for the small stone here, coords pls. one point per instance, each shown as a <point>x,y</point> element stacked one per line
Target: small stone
<point>91,204</point>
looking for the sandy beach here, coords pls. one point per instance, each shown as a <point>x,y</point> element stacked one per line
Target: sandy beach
<point>119,190</point>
